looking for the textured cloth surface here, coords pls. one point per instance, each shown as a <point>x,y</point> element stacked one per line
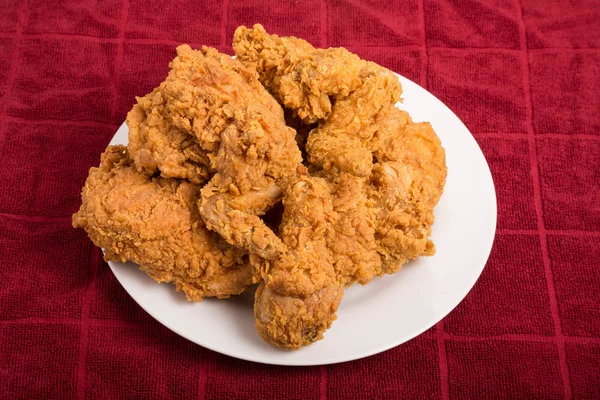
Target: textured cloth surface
<point>523,75</point>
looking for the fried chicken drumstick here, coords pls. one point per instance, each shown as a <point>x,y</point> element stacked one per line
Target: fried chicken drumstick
<point>299,294</point>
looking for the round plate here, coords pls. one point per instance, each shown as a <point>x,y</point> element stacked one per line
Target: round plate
<point>390,310</point>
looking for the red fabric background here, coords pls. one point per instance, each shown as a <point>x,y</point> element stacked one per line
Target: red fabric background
<point>523,75</point>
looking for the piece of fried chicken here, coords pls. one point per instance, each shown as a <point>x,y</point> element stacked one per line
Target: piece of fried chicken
<point>333,87</point>
<point>407,182</point>
<point>155,144</point>
<point>299,293</point>
<point>385,219</point>
<point>175,128</point>
<point>155,223</point>
<point>227,114</point>
<point>301,77</point>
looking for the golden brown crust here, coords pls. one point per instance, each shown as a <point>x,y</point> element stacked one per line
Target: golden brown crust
<point>341,141</point>
<point>401,163</point>
<point>211,118</point>
<point>154,223</point>
<point>155,144</point>
<point>178,127</point>
<point>299,293</point>
<point>352,240</point>
<point>302,78</point>
<point>257,153</point>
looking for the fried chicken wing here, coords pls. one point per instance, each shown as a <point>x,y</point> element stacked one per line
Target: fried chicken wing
<point>274,57</point>
<point>154,222</point>
<point>236,216</point>
<point>299,293</point>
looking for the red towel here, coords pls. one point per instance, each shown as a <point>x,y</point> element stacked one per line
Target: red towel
<point>523,75</point>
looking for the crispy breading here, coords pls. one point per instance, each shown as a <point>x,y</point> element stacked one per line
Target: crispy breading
<point>359,132</point>
<point>299,293</point>
<point>155,144</point>
<point>154,222</point>
<point>407,182</point>
<point>238,132</point>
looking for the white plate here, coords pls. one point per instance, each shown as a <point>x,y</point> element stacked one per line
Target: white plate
<point>373,318</point>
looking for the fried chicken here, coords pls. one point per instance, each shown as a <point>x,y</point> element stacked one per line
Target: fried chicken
<point>302,78</point>
<point>154,222</point>
<point>359,180</point>
<point>237,126</point>
<point>393,170</point>
<point>407,181</point>
<point>385,220</point>
<point>177,127</point>
<point>351,241</point>
<point>341,141</point>
<point>331,86</point>
<point>299,293</point>
<point>155,144</point>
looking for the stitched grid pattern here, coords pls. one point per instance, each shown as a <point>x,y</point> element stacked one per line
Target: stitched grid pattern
<point>523,75</point>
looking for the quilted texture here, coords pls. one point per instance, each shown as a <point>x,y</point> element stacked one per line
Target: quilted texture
<point>524,75</point>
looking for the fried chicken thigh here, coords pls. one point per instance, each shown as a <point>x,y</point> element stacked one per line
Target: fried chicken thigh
<point>155,223</point>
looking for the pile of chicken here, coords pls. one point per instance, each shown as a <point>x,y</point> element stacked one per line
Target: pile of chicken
<point>195,199</point>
